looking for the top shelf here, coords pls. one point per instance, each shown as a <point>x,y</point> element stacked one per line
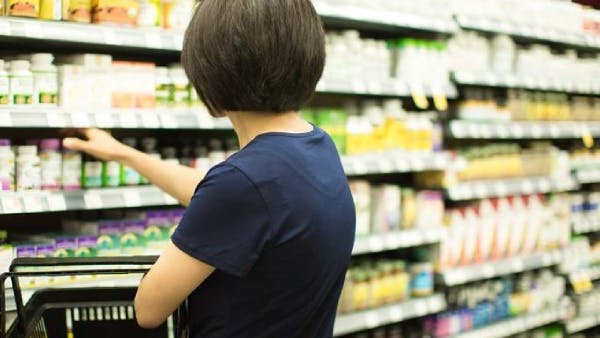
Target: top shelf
<point>529,32</point>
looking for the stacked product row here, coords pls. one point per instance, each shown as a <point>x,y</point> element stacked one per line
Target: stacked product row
<point>374,283</point>
<point>92,80</point>
<point>481,304</point>
<point>373,126</point>
<point>168,14</point>
<point>43,165</point>
<point>385,208</point>
<point>524,105</point>
<point>492,229</point>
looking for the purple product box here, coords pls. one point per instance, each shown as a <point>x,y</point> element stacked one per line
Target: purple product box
<point>110,228</point>
<point>157,218</point>
<point>25,251</point>
<point>45,250</point>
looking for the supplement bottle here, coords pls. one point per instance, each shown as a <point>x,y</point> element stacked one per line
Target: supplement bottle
<point>20,83</point>
<point>50,163</point>
<point>111,174</point>
<point>149,147</point>
<point>91,175</point>
<point>28,176</point>
<point>71,170</point>
<point>45,79</point>
<point>7,166</point>
<point>24,8</point>
<point>164,87</point>
<point>128,175</point>
<point>181,92</point>
<point>4,86</point>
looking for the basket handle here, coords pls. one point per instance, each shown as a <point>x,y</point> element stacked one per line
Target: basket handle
<point>80,261</point>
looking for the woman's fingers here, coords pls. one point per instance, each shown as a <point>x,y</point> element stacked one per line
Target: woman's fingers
<point>74,143</point>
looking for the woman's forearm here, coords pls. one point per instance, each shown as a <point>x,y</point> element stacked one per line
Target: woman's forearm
<point>176,180</point>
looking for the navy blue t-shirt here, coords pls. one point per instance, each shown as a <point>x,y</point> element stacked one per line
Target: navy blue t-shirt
<point>277,222</point>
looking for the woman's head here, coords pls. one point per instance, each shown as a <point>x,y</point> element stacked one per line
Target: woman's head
<point>254,55</point>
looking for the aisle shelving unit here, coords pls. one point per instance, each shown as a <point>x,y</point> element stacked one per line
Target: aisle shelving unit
<point>503,267</point>
<point>512,81</point>
<point>394,162</point>
<point>397,240</point>
<point>585,176</point>
<point>389,87</point>
<point>586,226</point>
<point>516,325</point>
<point>509,186</point>
<point>582,323</point>
<point>462,129</point>
<point>364,320</point>
<point>528,32</point>
<point>91,199</point>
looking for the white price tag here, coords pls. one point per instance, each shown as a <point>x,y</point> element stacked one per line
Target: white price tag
<point>481,190</point>
<point>4,28</point>
<point>110,37</point>
<point>178,41</point>
<point>547,259</point>
<point>170,200</point>
<point>486,131</point>
<point>5,119</point>
<point>554,130</point>
<point>153,40</point>
<point>488,271</point>
<point>79,119</point>
<point>375,87</point>
<point>33,29</point>
<point>411,238</point>
<point>104,120</point>
<point>360,167</point>
<point>132,198</point>
<point>418,164</point>
<point>92,200</point>
<point>56,202</point>
<point>359,87</point>
<point>517,265</point>
<point>56,119</point>
<point>386,166</point>
<point>33,202</point>
<point>502,131</point>
<point>128,120</point>
<point>536,131</point>
<point>150,120</point>
<point>527,187</point>
<point>371,320</point>
<point>544,185</point>
<point>168,120</point>
<point>395,314</point>
<point>11,204</point>
<point>376,244</point>
<point>420,308</point>
<point>517,130</point>
<point>500,189</point>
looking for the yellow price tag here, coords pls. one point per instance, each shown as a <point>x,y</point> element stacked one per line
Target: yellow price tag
<point>418,96</point>
<point>588,139</point>
<point>439,98</point>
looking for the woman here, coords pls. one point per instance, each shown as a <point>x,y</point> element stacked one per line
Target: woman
<point>264,245</point>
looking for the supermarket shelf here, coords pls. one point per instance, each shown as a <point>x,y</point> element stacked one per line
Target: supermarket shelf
<point>587,176</point>
<point>397,240</point>
<point>156,39</point>
<point>124,197</point>
<point>394,162</point>
<point>497,268</point>
<point>529,32</point>
<point>382,20</point>
<point>515,325</point>
<point>388,87</point>
<point>462,129</point>
<point>511,81</point>
<point>33,117</point>
<point>582,323</point>
<point>593,272</point>
<point>509,186</point>
<point>396,313</point>
<point>586,225</point>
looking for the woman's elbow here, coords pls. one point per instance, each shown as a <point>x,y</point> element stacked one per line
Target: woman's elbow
<point>146,318</point>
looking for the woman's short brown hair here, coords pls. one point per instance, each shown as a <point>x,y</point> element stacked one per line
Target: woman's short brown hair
<point>254,55</point>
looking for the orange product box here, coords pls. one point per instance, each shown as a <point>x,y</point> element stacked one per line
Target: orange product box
<point>121,12</point>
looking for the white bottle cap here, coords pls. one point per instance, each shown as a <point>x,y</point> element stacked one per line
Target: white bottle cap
<point>27,150</point>
<point>42,59</point>
<point>19,66</point>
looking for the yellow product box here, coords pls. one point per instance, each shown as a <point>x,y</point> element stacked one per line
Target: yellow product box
<point>51,9</point>
<point>77,10</point>
<point>122,12</point>
<point>25,8</point>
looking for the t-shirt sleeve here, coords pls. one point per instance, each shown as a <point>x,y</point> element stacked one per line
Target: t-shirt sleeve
<point>226,224</point>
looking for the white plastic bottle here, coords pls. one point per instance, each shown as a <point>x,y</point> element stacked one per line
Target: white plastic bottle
<point>4,85</point>
<point>7,166</point>
<point>45,79</point>
<point>28,169</point>
<point>50,164</point>
<point>181,91</point>
<point>21,83</point>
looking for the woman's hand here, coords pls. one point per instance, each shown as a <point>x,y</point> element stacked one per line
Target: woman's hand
<point>99,144</point>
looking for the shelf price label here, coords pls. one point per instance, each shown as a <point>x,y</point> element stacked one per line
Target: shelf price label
<point>150,120</point>
<point>371,320</point>
<point>92,200</point>
<point>132,198</point>
<point>11,204</point>
<point>33,203</point>
<point>56,202</point>
<point>5,118</point>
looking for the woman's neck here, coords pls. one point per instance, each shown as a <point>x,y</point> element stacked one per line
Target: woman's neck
<point>249,125</point>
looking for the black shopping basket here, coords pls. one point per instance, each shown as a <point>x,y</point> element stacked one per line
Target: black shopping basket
<point>92,312</point>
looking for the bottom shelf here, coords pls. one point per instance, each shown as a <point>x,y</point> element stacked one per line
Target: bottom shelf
<point>364,320</point>
<point>582,323</point>
<point>509,327</point>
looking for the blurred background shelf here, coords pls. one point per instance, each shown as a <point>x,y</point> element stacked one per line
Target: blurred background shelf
<point>397,240</point>
<point>462,129</point>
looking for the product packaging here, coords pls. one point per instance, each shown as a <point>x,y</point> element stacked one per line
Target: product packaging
<point>45,79</point>
<point>86,246</point>
<point>150,13</point>
<point>385,208</point>
<point>486,228</point>
<point>21,83</point>
<point>109,238</point>
<point>28,175</point>
<point>158,225</point>
<point>111,176</point>
<point>4,80</point>
<point>24,8</point>
<point>361,192</point>
<point>177,14</point>
<point>71,170</point>
<point>77,10</point>
<point>51,9</point>
<point>51,164</point>
<point>128,175</point>
<point>7,166</point>
<point>120,12</point>
<point>91,175</point>
<point>132,239</point>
